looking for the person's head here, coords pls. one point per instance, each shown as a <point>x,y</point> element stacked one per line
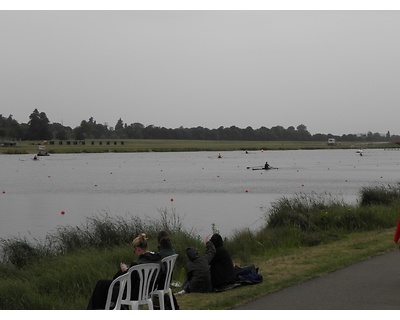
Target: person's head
<point>217,241</point>
<point>139,244</point>
<point>192,253</point>
<point>163,238</point>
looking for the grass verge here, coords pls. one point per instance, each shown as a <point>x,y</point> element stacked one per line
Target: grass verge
<point>299,264</point>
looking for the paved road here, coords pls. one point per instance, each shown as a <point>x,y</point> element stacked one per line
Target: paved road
<point>368,285</point>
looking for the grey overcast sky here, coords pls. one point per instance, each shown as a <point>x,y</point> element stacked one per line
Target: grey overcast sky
<point>333,71</point>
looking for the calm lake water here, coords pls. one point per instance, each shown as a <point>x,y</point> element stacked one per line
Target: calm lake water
<point>205,190</point>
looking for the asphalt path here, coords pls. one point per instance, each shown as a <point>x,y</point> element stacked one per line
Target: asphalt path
<point>371,284</point>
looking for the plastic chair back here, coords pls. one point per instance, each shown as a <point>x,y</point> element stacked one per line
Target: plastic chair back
<point>120,284</point>
<point>169,263</point>
<point>148,274</point>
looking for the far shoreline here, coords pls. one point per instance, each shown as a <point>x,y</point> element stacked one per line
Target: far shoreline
<point>161,145</point>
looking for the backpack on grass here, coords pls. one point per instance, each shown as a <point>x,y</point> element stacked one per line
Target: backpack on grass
<point>248,275</point>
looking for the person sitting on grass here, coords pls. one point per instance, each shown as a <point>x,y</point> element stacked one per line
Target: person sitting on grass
<point>198,277</point>
<point>221,267</point>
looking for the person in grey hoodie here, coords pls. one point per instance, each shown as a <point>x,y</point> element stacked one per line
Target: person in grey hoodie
<point>198,277</point>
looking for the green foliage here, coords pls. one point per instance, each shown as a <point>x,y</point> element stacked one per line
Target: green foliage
<point>316,214</point>
<point>20,252</point>
<point>380,195</point>
<point>306,212</point>
<point>102,231</point>
<point>244,244</point>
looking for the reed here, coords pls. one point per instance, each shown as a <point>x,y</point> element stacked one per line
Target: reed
<point>381,194</point>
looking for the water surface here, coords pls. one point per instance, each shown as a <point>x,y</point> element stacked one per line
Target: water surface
<point>202,189</point>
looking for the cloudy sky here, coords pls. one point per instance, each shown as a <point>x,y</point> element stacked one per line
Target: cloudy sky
<point>335,71</point>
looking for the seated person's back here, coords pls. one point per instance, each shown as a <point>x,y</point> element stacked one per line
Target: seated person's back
<point>221,266</point>
<point>198,269</point>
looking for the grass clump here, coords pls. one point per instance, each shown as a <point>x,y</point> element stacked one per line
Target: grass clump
<point>380,195</point>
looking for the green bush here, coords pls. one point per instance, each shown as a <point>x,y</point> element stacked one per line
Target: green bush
<point>318,219</point>
<point>380,195</point>
<point>20,252</point>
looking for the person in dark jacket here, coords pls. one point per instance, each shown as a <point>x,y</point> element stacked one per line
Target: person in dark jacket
<point>165,248</point>
<point>221,266</point>
<point>267,166</point>
<point>198,278</point>
<point>100,292</point>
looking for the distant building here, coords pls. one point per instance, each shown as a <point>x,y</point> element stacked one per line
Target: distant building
<point>331,142</point>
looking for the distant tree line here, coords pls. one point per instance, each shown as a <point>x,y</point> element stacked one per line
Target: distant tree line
<point>40,128</point>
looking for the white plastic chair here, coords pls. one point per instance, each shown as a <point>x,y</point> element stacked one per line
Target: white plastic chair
<point>148,274</point>
<point>121,280</point>
<point>169,262</point>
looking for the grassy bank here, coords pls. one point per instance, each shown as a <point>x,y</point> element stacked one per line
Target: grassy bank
<point>303,237</point>
<point>288,267</point>
<point>141,145</point>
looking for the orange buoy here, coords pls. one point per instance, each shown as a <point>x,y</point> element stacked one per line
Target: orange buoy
<point>62,212</point>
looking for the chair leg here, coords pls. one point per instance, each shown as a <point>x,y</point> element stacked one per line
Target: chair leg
<point>171,299</point>
<point>135,306</point>
<point>161,300</point>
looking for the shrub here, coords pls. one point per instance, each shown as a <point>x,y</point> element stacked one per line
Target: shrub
<point>306,212</point>
<point>380,195</point>
<point>19,252</point>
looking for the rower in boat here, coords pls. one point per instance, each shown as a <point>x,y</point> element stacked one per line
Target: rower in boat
<point>267,166</point>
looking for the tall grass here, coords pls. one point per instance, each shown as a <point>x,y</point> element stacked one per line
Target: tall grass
<point>101,231</point>
<point>61,271</point>
<point>382,194</point>
<point>313,219</point>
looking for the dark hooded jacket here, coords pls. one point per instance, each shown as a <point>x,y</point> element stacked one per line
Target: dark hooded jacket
<point>221,266</point>
<point>198,269</point>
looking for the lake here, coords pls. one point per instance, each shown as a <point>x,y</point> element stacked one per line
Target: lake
<point>201,188</point>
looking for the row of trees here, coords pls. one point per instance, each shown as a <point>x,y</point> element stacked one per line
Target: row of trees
<point>40,128</point>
